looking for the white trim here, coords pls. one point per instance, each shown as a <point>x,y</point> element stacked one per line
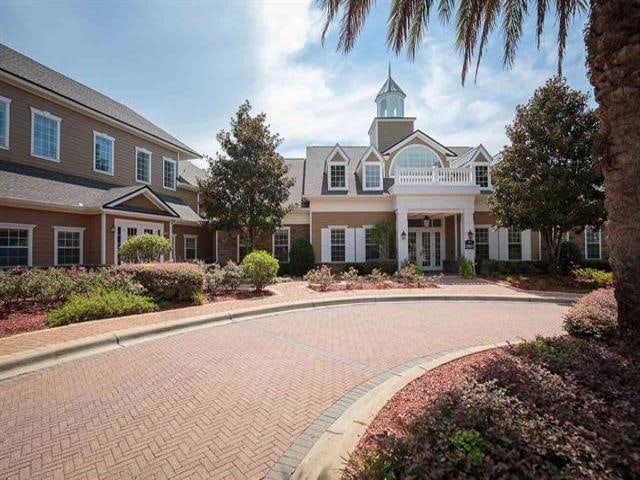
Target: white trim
<point>24,226</point>
<point>330,161</point>
<point>175,173</point>
<point>185,237</point>
<point>422,136</point>
<point>414,145</point>
<point>43,113</point>
<point>56,230</point>
<point>118,222</point>
<point>273,243</point>
<point>135,172</point>
<point>174,240</point>
<point>380,186</point>
<point>148,194</point>
<point>113,152</point>
<point>586,244</point>
<point>103,238</point>
<point>345,228</point>
<point>455,231</point>
<point>475,176</point>
<point>7,102</point>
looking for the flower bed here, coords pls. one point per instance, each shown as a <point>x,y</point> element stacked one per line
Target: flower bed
<point>366,285</point>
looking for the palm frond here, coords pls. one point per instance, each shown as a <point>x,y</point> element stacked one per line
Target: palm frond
<point>491,13</point>
<point>408,20</point>
<point>542,6</point>
<point>445,10</point>
<point>330,9</point>
<point>566,10</point>
<point>355,14</point>
<point>514,12</point>
<point>469,20</point>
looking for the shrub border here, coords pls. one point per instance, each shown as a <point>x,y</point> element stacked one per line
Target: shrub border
<point>48,356</point>
<point>324,448</point>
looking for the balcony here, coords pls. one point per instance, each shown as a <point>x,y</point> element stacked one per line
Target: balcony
<point>458,177</point>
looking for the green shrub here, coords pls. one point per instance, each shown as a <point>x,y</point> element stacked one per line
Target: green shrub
<point>199,298</point>
<point>261,268</point>
<point>570,255</point>
<point>145,248</point>
<point>320,276</point>
<point>493,268</point>
<point>599,277</point>
<point>351,277</point>
<point>466,268</point>
<point>593,316</point>
<point>167,281</point>
<point>377,276</point>
<point>410,273</point>
<point>97,305</point>
<point>301,257</point>
<point>233,276</point>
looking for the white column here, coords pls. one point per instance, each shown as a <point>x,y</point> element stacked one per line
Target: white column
<point>103,239</point>
<point>402,245</point>
<point>467,225</point>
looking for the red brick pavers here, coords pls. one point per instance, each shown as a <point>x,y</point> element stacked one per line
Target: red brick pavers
<point>227,401</point>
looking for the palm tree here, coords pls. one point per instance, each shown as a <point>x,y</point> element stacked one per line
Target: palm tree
<point>612,38</point>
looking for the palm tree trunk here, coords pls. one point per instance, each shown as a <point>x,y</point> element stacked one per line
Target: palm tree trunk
<point>613,57</point>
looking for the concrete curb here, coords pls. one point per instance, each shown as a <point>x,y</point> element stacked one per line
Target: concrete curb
<point>328,456</point>
<point>43,357</point>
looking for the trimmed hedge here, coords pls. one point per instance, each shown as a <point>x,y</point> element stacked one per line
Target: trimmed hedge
<point>301,258</point>
<point>261,268</point>
<point>168,281</point>
<point>593,316</point>
<point>99,304</point>
<point>503,267</point>
<point>145,248</point>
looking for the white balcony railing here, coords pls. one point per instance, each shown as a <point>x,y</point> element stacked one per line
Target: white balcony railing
<point>434,176</point>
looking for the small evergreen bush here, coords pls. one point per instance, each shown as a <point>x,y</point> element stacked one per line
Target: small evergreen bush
<point>466,268</point>
<point>301,258</point>
<point>593,316</point>
<point>261,268</point>
<point>145,248</point>
<point>320,276</point>
<point>167,281</point>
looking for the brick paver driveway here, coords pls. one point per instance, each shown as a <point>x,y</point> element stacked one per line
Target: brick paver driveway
<point>227,401</point>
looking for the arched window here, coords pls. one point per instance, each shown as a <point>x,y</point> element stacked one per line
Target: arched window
<point>383,108</point>
<point>415,156</point>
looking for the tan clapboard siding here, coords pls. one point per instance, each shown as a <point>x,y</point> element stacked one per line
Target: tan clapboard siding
<point>390,133</point>
<point>189,197</point>
<point>483,218</point>
<point>141,201</point>
<point>320,220</point>
<point>43,235</point>
<point>76,142</point>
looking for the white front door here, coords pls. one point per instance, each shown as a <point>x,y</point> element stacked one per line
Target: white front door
<point>125,229</point>
<point>429,247</point>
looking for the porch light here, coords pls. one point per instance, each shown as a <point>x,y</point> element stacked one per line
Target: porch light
<point>403,235</point>
<point>470,235</point>
<point>426,221</point>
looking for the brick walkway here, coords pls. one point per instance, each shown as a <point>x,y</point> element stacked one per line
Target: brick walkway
<point>285,292</point>
<point>227,401</point>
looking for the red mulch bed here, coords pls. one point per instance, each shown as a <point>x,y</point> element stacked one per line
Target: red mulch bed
<point>413,399</point>
<point>341,286</point>
<point>557,283</point>
<point>33,317</point>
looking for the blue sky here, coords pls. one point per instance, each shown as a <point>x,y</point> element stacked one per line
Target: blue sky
<point>187,66</point>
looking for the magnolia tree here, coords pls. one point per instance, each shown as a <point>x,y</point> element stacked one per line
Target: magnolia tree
<point>247,187</point>
<point>548,179</point>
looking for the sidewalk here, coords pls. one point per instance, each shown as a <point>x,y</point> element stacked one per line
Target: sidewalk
<point>284,293</point>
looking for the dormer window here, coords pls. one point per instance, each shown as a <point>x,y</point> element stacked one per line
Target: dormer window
<point>338,176</point>
<point>482,176</point>
<point>372,176</point>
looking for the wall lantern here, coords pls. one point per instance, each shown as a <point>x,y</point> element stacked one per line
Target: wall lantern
<point>403,235</point>
<point>112,229</point>
<point>426,221</point>
<point>470,235</point>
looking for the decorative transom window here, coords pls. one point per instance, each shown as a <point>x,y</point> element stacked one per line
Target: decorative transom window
<point>5,105</point>
<point>482,176</point>
<point>68,245</point>
<point>281,245</point>
<point>338,245</point>
<point>169,173</point>
<point>143,165</point>
<point>337,176</point>
<point>15,246</point>
<point>593,246</point>
<point>415,156</point>
<point>190,247</point>
<point>515,244</point>
<point>372,176</point>
<point>103,151</point>
<point>371,247</point>
<point>45,135</point>
<point>482,244</point>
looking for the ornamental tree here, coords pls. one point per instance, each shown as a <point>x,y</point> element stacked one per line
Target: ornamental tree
<point>247,187</point>
<point>548,179</point>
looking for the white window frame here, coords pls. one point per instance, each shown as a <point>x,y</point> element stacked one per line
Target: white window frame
<point>135,173</point>
<point>365,228</point>
<point>7,121</point>
<point>43,113</point>
<point>475,177</point>
<point>23,226</point>
<point>56,230</point>
<point>586,244</point>
<point>113,151</point>
<point>364,176</point>
<point>509,243</point>
<point>184,246</point>
<point>273,242</point>
<point>174,239</point>
<point>488,244</point>
<point>344,229</point>
<point>175,173</point>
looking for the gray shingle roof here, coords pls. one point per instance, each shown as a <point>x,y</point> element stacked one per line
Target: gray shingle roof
<point>460,150</point>
<point>32,184</point>
<point>28,69</point>
<point>297,172</point>
<point>189,174</point>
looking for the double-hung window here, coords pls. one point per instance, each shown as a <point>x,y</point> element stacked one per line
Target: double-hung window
<point>45,135</point>
<point>190,247</point>
<point>515,244</point>
<point>482,176</point>
<point>337,176</point>
<point>482,244</point>
<point>169,173</point>
<point>373,176</point>
<point>371,248</point>
<point>281,244</point>
<point>16,245</point>
<point>5,105</point>
<point>68,245</point>
<point>103,152</point>
<point>143,165</point>
<point>592,244</point>
<point>338,245</point>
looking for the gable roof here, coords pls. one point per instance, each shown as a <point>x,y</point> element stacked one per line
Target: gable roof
<point>425,138</point>
<point>189,174</point>
<point>470,156</point>
<point>29,70</point>
<point>296,168</point>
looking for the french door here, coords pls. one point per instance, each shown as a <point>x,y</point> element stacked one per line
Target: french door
<point>426,248</point>
<point>125,229</point>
